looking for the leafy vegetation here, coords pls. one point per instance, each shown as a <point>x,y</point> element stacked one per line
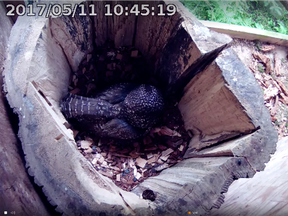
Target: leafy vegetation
<point>265,15</point>
<point>261,68</point>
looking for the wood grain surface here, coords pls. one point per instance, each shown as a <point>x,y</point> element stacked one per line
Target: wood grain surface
<point>18,195</point>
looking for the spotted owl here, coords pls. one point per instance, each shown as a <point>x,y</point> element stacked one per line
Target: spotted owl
<point>123,111</point>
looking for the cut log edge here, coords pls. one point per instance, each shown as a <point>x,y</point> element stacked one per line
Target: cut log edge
<point>243,32</point>
<point>220,172</point>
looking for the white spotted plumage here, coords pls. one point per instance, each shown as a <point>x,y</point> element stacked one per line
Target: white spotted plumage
<point>125,110</point>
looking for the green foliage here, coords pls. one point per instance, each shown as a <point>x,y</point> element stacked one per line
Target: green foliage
<point>261,68</point>
<point>275,8</point>
<point>266,15</point>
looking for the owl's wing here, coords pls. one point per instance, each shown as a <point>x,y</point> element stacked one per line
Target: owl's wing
<point>116,93</point>
<point>119,129</point>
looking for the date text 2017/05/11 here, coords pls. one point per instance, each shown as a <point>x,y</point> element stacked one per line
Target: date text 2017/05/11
<point>89,9</point>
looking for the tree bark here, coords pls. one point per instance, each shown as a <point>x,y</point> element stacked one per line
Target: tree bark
<point>285,4</point>
<point>18,194</point>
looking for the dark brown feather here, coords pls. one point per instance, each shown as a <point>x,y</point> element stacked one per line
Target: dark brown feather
<point>123,111</point>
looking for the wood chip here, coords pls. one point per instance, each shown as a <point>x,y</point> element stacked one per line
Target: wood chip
<point>282,86</point>
<point>270,92</point>
<point>155,130</point>
<point>268,66</point>
<point>125,151</point>
<point>111,54</point>
<point>134,53</point>
<point>153,159</point>
<point>89,56</point>
<point>181,147</point>
<point>275,106</point>
<point>101,160</point>
<point>267,48</point>
<point>88,150</point>
<point>167,131</point>
<point>112,149</point>
<point>94,161</point>
<point>115,168</point>
<point>159,161</point>
<point>118,177</point>
<point>161,167</point>
<point>119,56</point>
<point>277,65</point>
<point>99,150</point>
<point>85,144</point>
<point>260,79</point>
<point>151,148</point>
<point>75,91</point>
<point>150,155</point>
<point>89,139</point>
<point>164,158</point>
<point>141,162</point>
<point>283,98</point>
<point>84,70</point>
<point>75,80</point>
<point>162,147</point>
<point>134,154</point>
<point>260,57</point>
<point>138,175</point>
<point>119,155</point>
<point>110,161</point>
<point>147,140</point>
<point>111,66</point>
<point>174,144</point>
<point>135,171</point>
<point>167,152</point>
<point>263,58</point>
